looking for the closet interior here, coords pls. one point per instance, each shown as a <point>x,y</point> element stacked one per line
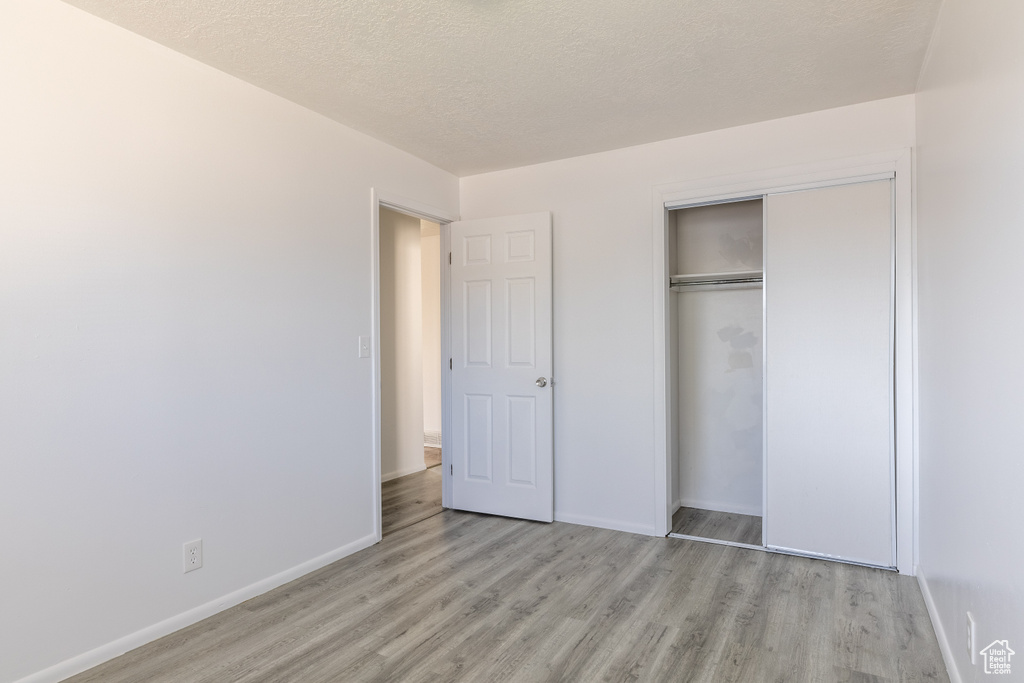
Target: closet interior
<point>716,319</point>
<point>781,367</point>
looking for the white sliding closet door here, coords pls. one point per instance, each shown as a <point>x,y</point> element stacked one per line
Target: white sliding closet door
<point>828,373</point>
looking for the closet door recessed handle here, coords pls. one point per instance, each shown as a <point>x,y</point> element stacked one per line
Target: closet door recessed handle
<point>541,382</point>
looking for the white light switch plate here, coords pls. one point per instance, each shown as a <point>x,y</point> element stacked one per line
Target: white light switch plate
<point>364,347</point>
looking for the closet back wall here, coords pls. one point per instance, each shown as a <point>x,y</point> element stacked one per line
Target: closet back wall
<point>604,367</point>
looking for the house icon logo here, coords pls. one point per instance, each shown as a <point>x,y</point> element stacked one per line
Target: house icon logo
<point>997,657</point>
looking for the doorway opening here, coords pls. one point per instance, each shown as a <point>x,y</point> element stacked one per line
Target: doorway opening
<point>495,362</point>
<point>410,400</point>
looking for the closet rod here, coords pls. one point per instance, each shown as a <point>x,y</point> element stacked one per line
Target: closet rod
<point>716,281</point>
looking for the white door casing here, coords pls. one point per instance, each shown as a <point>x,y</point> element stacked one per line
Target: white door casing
<point>829,477</point>
<point>501,340</point>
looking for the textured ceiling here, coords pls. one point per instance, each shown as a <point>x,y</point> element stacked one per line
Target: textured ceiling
<point>478,85</point>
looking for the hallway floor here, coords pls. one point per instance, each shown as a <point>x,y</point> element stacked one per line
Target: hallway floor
<point>410,499</point>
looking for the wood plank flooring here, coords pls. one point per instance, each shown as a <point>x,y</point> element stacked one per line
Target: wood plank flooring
<point>410,499</point>
<point>431,456</point>
<point>466,597</point>
<point>723,526</point>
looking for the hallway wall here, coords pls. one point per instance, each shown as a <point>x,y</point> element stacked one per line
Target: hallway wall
<point>430,266</point>
<point>401,345</point>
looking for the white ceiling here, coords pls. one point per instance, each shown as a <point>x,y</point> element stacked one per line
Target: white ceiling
<point>479,85</point>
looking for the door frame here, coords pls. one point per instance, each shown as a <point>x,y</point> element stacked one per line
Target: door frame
<point>380,198</point>
<point>897,164</point>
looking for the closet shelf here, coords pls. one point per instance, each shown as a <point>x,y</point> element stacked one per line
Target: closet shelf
<point>734,278</point>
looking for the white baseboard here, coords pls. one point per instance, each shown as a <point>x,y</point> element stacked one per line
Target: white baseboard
<point>401,473</point>
<point>721,507</point>
<point>940,632</point>
<point>104,653</point>
<point>432,439</point>
<point>601,523</point>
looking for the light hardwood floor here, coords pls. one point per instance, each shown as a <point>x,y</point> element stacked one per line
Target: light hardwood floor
<point>431,456</point>
<point>723,526</point>
<point>466,597</point>
<point>410,499</point>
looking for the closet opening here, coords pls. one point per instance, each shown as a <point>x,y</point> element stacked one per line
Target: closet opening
<point>792,404</point>
<point>716,372</point>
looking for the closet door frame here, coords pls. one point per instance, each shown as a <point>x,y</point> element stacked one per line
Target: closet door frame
<point>896,165</point>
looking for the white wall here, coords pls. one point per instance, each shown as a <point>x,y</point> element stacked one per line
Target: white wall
<point>970,243</point>
<point>721,431</point>
<point>184,271</point>
<point>401,345</point>
<point>603,308</point>
<point>430,266</point>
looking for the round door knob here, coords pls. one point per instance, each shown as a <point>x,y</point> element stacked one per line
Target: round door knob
<point>541,382</point>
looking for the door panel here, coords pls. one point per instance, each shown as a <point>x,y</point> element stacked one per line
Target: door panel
<point>479,430</point>
<point>522,440</point>
<point>828,373</point>
<point>478,323</point>
<point>521,305</point>
<point>502,447</point>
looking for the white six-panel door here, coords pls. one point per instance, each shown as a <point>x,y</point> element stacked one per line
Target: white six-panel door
<point>502,438</point>
<point>829,473</point>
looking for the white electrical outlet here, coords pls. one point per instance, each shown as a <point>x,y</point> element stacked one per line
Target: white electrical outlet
<point>192,555</point>
<point>972,643</point>
<point>364,347</point>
